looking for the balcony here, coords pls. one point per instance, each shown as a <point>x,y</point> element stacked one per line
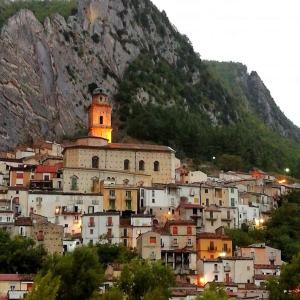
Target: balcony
<point>91,224</point>
<point>41,185</point>
<point>211,219</point>
<point>211,249</point>
<point>109,224</point>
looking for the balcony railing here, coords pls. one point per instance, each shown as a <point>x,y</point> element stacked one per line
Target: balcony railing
<point>211,249</point>
<point>109,224</point>
<point>91,224</point>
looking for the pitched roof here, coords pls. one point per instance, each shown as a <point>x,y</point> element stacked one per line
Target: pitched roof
<point>16,277</point>
<point>46,169</point>
<point>121,146</point>
<point>23,221</point>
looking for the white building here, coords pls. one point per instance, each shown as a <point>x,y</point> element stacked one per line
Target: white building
<point>248,214</point>
<point>227,270</point>
<point>64,208</point>
<point>101,227</point>
<point>140,224</point>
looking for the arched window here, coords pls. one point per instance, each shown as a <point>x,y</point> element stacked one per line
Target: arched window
<point>126,164</point>
<point>156,166</point>
<point>95,162</point>
<point>74,186</point>
<point>101,120</point>
<point>141,165</point>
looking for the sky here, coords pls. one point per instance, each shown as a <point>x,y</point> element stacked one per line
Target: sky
<point>262,34</point>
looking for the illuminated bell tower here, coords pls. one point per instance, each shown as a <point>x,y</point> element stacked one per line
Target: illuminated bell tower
<point>100,116</point>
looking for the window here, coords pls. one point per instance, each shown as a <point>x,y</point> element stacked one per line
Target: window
<point>232,190</point>
<point>142,192</point>
<point>109,233</point>
<point>101,120</point>
<point>126,164</point>
<point>153,200</point>
<point>189,230</point>
<point>153,193</point>
<point>91,222</point>
<point>74,183</point>
<point>125,242</point>
<point>141,165</point>
<point>220,202</point>
<point>46,177</point>
<point>211,214</point>
<point>211,245</point>
<point>232,202</point>
<point>95,162</point>
<point>112,194</point>
<point>128,195</point>
<point>152,240</point>
<point>194,211</point>
<point>228,214</point>
<point>215,267</point>
<point>225,247</point>
<point>207,202</point>
<point>206,191</point>
<point>109,221</point>
<point>91,231</point>
<point>175,230</point>
<point>156,166</point>
<point>216,278</point>
<point>91,209</point>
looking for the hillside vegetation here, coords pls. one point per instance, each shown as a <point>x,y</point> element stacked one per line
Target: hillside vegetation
<point>41,9</point>
<point>161,89</point>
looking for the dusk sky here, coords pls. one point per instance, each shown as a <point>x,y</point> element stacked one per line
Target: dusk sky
<point>262,34</point>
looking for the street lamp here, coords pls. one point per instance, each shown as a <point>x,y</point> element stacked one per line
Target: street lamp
<point>287,170</point>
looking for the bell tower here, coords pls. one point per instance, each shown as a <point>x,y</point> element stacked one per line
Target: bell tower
<point>100,115</point>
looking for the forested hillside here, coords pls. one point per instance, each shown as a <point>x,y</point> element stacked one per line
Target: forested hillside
<point>161,89</point>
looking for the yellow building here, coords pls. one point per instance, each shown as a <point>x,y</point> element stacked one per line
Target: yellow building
<point>119,197</point>
<point>211,246</point>
<point>214,195</point>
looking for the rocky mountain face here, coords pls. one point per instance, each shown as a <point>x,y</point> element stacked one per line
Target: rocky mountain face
<point>256,97</point>
<point>132,51</point>
<point>46,69</point>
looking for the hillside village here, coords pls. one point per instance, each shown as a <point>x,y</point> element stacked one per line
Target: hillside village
<point>91,190</point>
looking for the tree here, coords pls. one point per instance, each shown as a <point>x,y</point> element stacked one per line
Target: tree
<point>45,287</point>
<point>80,273</point>
<point>157,294</point>
<point>110,253</point>
<point>213,292</point>
<point>20,254</point>
<point>140,277</point>
<point>112,294</point>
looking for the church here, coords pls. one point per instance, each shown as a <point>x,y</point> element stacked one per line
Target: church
<point>91,159</point>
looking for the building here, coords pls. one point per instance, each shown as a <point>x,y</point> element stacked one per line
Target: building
<point>215,217</point>
<point>20,176</point>
<point>7,218</point>
<point>212,246</point>
<point>178,248</point>
<point>64,209</point>
<point>148,245</point>
<point>100,116</point>
<point>119,197</point>
<point>43,232</point>
<point>93,158</point>
<point>262,254</point>
<point>227,270</point>
<point>15,286</point>
<point>140,223</point>
<point>101,227</point>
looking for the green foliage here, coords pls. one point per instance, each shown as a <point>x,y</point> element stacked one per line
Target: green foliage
<point>157,294</point>
<point>111,253</point>
<point>41,9</point>
<point>213,292</point>
<point>140,277</point>
<point>45,287</point>
<point>19,255</point>
<point>283,229</point>
<point>162,103</point>
<point>280,289</point>
<point>112,294</point>
<point>80,273</point>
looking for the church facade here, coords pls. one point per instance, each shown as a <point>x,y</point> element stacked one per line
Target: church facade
<point>89,160</point>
